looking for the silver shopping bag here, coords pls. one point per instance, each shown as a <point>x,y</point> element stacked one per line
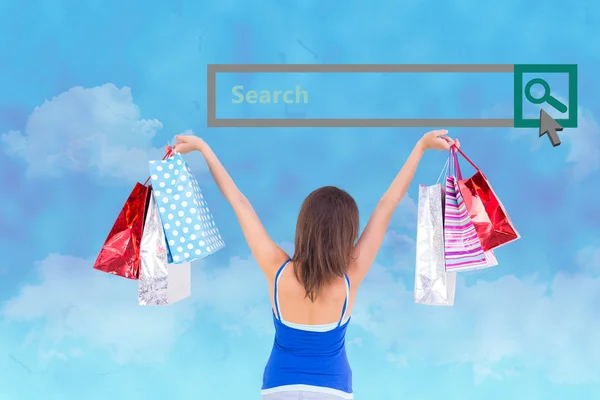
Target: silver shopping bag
<point>433,285</point>
<point>160,283</point>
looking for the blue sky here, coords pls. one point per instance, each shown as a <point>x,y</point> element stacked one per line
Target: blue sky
<point>90,90</point>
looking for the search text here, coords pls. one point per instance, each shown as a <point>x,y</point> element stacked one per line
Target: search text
<point>297,96</point>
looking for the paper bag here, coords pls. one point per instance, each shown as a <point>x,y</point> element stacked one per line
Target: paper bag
<point>190,229</point>
<point>120,254</point>
<point>160,283</point>
<point>492,223</point>
<point>433,285</point>
<point>462,245</point>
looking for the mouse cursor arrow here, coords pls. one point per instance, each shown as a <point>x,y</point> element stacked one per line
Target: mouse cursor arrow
<point>549,126</point>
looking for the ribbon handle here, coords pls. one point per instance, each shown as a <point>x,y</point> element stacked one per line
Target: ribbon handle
<point>465,157</point>
<point>444,171</point>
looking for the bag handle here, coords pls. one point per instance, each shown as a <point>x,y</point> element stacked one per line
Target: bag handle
<point>463,154</point>
<point>453,166</point>
<point>169,153</point>
<point>444,170</point>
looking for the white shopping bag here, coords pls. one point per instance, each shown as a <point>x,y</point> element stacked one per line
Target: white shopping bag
<point>160,283</point>
<point>433,285</point>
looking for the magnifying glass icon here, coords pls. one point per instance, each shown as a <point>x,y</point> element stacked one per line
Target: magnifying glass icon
<point>546,96</point>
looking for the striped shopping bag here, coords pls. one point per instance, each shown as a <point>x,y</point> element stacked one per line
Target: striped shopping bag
<point>463,251</point>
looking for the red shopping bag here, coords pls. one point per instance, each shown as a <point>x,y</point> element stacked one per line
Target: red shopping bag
<point>120,254</point>
<point>492,223</point>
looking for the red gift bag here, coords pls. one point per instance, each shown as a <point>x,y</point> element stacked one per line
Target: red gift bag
<point>120,254</point>
<point>492,223</point>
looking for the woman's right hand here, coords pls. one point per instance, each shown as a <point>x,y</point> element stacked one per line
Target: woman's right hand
<point>187,143</point>
<point>437,140</point>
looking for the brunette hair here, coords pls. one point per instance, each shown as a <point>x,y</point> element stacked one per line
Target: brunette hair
<point>326,232</point>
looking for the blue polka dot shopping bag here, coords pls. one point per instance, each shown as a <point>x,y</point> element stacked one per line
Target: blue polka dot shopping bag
<point>190,229</point>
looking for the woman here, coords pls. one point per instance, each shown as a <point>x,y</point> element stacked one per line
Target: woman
<point>313,292</point>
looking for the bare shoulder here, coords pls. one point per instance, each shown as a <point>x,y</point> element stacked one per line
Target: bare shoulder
<point>271,265</point>
<point>355,272</point>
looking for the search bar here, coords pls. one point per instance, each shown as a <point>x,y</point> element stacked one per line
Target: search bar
<point>519,93</point>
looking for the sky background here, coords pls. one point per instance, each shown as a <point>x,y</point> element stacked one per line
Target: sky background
<point>90,90</point>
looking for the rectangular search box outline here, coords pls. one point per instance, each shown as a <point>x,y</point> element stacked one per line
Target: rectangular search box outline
<point>213,121</point>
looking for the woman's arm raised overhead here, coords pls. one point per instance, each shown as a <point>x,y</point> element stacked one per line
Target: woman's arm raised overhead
<point>267,253</point>
<point>370,241</point>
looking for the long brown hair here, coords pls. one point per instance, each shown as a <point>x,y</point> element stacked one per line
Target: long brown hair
<point>326,232</point>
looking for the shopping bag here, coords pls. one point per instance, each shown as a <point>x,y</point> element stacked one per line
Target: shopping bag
<point>433,285</point>
<point>120,254</point>
<point>160,283</point>
<point>463,251</point>
<point>492,223</point>
<point>189,226</point>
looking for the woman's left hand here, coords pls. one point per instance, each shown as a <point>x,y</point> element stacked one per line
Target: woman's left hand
<point>437,140</point>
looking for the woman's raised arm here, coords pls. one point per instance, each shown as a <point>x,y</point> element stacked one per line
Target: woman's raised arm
<point>370,241</point>
<point>267,253</point>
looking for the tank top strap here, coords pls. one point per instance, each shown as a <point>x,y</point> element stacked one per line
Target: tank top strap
<point>275,294</point>
<point>346,300</point>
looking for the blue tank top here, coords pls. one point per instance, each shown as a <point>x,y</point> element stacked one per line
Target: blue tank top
<point>308,357</point>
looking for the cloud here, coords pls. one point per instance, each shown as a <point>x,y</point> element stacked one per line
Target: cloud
<point>584,141</point>
<point>495,325</point>
<point>405,215</point>
<point>98,129</point>
<point>589,259</point>
<point>401,247</point>
<point>542,326</point>
<point>238,293</point>
<point>76,302</point>
<point>584,153</point>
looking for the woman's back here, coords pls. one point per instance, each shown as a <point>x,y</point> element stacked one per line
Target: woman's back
<point>297,308</point>
<point>309,352</point>
<point>312,299</point>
